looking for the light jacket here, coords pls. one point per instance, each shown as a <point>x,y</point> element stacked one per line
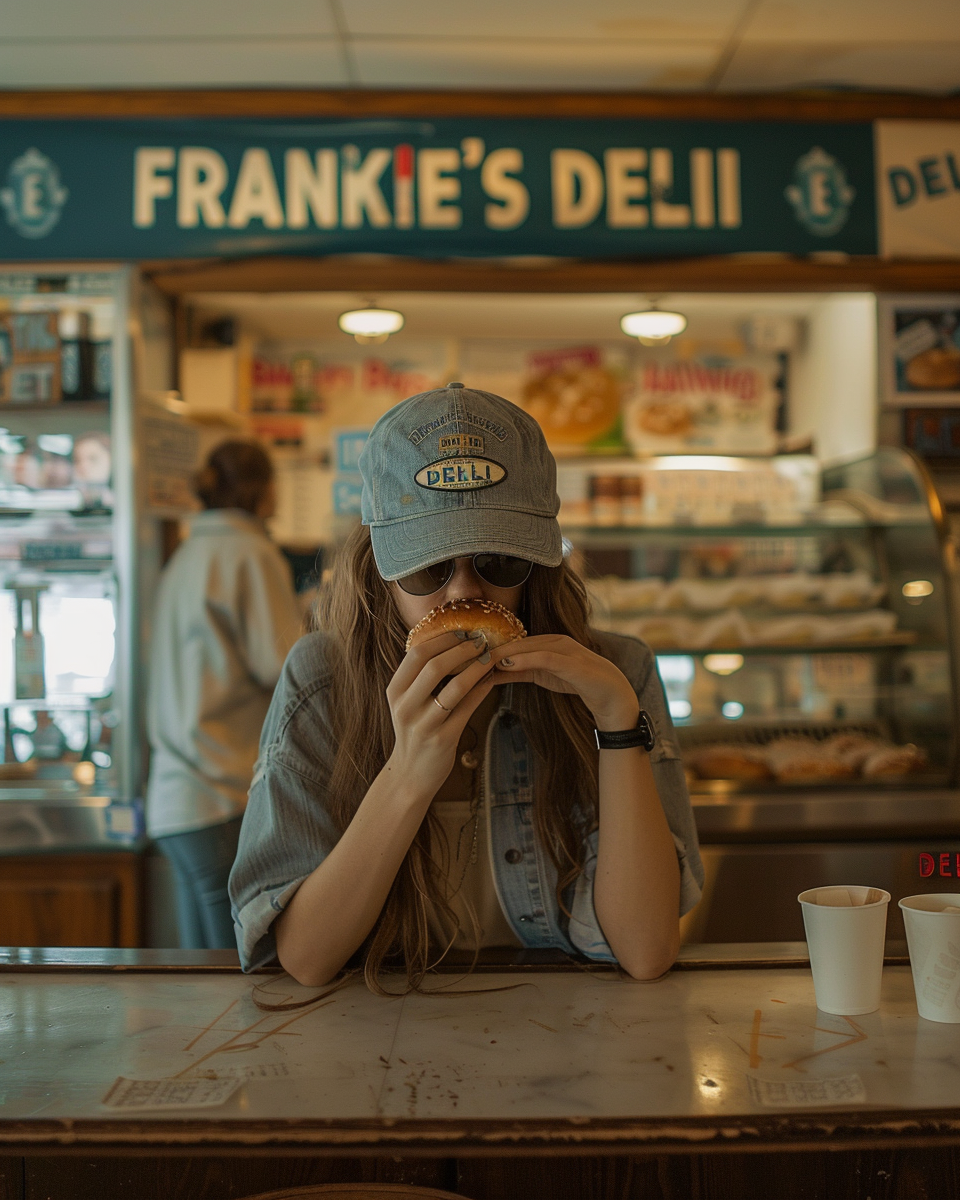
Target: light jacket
<point>287,831</point>
<point>226,617</point>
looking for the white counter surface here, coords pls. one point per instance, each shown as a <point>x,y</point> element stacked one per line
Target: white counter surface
<point>563,1050</point>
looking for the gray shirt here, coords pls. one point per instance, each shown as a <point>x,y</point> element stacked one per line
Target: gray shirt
<point>226,617</point>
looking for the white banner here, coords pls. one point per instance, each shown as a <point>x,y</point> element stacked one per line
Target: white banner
<point>918,188</point>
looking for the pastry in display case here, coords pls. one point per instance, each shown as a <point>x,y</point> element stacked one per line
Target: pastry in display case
<point>801,620</point>
<point>800,617</point>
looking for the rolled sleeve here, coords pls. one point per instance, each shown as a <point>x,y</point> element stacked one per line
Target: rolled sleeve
<point>253,924</point>
<point>287,830</point>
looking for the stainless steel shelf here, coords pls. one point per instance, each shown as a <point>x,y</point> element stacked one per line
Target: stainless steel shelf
<point>649,533</point>
<point>894,641</point>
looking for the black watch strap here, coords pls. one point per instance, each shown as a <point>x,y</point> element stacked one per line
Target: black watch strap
<point>641,735</point>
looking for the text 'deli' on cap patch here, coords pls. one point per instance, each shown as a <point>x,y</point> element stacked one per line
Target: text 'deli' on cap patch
<point>460,474</point>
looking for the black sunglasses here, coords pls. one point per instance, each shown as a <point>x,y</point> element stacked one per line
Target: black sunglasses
<point>499,570</point>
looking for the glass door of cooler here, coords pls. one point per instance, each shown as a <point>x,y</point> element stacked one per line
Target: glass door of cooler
<point>58,654</point>
<point>69,625</point>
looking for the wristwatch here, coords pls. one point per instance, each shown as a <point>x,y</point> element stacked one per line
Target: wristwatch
<point>641,735</point>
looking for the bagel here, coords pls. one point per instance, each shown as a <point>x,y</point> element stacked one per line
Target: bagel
<point>496,623</point>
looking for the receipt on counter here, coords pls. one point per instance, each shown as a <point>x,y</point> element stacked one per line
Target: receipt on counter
<point>143,1095</point>
<point>807,1093</point>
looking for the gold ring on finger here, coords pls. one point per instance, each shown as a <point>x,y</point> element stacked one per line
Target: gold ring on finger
<point>439,705</point>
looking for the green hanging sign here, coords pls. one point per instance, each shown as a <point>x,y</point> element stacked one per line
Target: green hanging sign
<point>155,189</point>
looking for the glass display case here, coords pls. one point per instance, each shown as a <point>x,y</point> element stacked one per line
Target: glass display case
<point>82,354</point>
<point>801,619</point>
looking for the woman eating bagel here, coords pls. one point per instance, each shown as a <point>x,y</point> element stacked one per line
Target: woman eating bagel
<point>455,759</point>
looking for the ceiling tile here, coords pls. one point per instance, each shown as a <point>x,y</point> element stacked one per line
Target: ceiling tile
<point>658,19</point>
<point>827,21</point>
<point>91,19</point>
<point>923,67</point>
<point>572,65</point>
<point>171,63</point>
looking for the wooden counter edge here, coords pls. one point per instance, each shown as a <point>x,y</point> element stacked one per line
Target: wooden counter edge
<point>719,956</point>
<point>464,1137</point>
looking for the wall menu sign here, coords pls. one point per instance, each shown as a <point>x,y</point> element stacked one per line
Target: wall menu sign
<point>611,188</point>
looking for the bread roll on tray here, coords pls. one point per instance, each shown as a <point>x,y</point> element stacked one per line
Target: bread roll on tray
<point>800,759</point>
<point>888,762</point>
<point>721,761</point>
<point>795,759</point>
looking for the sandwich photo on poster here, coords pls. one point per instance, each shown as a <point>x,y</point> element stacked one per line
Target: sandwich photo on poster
<point>708,405</point>
<point>575,393</point>
<point>920,350</point>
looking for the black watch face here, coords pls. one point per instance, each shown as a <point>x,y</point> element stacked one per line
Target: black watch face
<point>645,726</point>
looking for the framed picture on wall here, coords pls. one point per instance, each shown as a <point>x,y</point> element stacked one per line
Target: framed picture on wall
<point>933,433</point>
<point>919,345</point>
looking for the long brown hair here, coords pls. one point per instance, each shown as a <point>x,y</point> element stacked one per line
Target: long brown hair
<point>368,636</point>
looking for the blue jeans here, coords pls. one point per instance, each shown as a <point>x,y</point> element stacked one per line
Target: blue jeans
<point>201,861</point>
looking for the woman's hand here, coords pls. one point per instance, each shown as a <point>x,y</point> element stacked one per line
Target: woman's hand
<point>560,664</point>
<point>430,706</point>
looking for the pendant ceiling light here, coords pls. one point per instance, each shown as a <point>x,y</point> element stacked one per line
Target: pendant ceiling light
<point>371,324</point>
<point>653,326</point>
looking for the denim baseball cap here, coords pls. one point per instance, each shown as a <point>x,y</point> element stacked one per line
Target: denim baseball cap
<point>454,472</point>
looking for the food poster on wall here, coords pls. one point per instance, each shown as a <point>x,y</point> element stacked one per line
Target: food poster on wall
<point>342,382</point>
<point>933,433</point>
<point>709,404</point>
<point>920,349</point>
<point>303,396</point>
<point>576,393</point>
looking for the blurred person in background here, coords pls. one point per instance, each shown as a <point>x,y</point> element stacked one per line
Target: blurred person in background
<point>226,616</point>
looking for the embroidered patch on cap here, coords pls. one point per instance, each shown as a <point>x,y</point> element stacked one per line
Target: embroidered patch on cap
<point>460,445</point>
<point>460,474</point>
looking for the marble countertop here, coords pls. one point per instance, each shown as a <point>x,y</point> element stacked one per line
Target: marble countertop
<point>520,1061</point>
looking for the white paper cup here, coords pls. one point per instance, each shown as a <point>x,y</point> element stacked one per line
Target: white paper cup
<point>845,928</point>
<point>933,938</point>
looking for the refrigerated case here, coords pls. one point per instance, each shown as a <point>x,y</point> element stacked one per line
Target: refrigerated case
<point>802,621</point>
<point>84,368</point>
